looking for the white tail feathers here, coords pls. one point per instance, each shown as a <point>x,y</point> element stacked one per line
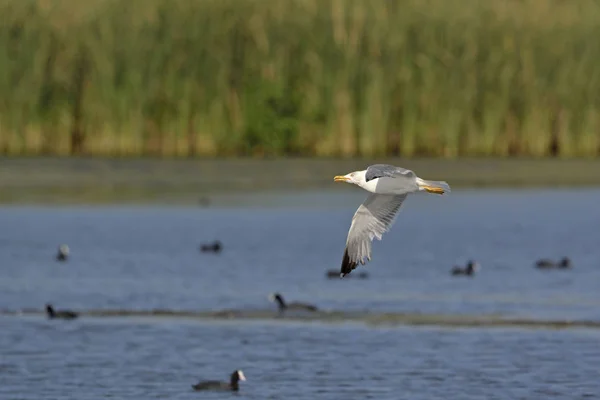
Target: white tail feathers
<point>437,187</point>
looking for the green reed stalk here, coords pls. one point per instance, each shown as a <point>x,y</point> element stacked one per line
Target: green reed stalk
<point>182,78</point>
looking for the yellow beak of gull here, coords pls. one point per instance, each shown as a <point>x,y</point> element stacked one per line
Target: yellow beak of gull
<point>340,178</point>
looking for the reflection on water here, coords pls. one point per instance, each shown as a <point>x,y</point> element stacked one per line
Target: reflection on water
<point>140,259</point>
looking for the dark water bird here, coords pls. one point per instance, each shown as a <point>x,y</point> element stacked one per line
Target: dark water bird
<point>469,270</point>
<point>232,385</point>
<point>335,274</point>
<point>276,297</point>
<point>63,253</point>
<point>62,314</point>
<point>215,247</point>
<point>544,263</point>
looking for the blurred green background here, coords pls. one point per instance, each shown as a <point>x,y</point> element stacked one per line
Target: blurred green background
<point>408,78</point>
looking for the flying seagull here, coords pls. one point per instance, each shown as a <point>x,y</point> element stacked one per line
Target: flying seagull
<point>389,186</point>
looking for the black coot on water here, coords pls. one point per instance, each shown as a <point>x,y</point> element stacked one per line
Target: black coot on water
<point>63,253</point>
<point>232,385</point>
<point>215,247</point>
<point>469,270</point>
<point>62,314</point>
<point>335,274</point>
<point>278,298</point>
<point>564,263</point>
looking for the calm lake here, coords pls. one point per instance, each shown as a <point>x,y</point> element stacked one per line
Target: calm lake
<point>143,258</point>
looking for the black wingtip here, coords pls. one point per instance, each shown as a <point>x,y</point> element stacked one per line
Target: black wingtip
<point>347,264</point>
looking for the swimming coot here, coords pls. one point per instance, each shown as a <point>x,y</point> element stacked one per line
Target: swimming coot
<point>215,247</point>
<point>335,274</point>
<point>62,314</point>
<point>232,385</point>
<point>469,270</point>
<point>544,263</point>
<point>63,253</point>
<point>276,297</point>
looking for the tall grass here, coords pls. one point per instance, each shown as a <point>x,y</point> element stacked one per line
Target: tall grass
<point>312,77</point>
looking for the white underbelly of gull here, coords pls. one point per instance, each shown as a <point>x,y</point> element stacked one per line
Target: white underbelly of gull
<point>389,186</point>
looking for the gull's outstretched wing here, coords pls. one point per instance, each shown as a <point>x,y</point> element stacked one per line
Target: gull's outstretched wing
<point>373,218</point>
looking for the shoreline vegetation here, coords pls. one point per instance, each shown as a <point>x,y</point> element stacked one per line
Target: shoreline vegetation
<point>227,182</point>
<point>310,78</point>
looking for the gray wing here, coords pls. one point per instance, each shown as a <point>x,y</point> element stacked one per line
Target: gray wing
<point>381,170</point>
<point>373,218</point>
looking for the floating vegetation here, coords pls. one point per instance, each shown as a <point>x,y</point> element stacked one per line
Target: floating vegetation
<point>368,318</point>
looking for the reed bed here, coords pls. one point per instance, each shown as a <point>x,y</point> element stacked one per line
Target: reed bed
<point>444,78</point>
